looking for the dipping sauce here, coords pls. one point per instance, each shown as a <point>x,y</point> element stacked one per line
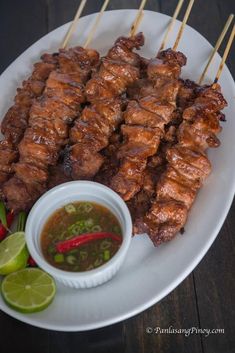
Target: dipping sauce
<point>79,218</point>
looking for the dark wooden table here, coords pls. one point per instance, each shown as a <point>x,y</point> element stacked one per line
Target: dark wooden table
<point>206,298</point>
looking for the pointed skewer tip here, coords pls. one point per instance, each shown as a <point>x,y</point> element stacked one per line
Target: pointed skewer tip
<point>185,19</point>
<point>73,24</point>
<point>217,46</point>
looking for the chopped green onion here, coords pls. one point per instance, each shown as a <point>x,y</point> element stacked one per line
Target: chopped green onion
<point>71,259</point>
<point>87,207</point>
<point>83,255</point>
<point>70,208</point>
<point>98,262</point>
<point>106,255</point>
<point>105,244</point>
<point>96,228</point>
<point>3,216</point>
<point>89,222</point>
<point>58,258</point>
<point>76,229</point>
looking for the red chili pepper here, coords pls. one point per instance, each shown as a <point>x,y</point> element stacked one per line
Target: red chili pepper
<point>31,262</point>
<point>3,230</point>
<point>78,240</point>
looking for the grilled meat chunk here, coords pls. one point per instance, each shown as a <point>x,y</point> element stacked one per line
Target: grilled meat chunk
<point>16,119</point>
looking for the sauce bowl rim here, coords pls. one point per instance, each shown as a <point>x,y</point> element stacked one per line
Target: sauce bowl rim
<point>33,240</point>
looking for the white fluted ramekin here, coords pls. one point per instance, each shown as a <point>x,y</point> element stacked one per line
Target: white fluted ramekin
<point>62,195</point>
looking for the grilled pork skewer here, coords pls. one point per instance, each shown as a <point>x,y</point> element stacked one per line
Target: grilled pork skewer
<point>92,130</point>
<point>147,118</point>
<point>188,165</point>
<point>187,168</point>
<point>47,132</point>
<point>145,121</point>
<point>16,119</point>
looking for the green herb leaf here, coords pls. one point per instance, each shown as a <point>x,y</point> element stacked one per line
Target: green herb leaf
<point>3,216</point>
<point>21,221</point>
<point>58,258</point>
<point>106,255</point>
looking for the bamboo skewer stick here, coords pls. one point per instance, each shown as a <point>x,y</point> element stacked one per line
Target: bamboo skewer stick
<point>138,18</point>
<point>186,16</point>
<point>217,46</point>
<point>225,55</point>
<point>170,26</point>
<point>73,24</point>
<point>93,29</point>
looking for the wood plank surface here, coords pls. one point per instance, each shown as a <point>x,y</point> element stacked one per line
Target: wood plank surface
<point>21,24</point>
<point>206,298</point>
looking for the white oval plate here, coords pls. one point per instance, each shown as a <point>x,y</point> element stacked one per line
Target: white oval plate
<point>148,273</point>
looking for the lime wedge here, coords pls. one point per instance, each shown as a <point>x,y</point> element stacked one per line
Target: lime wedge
<point>28,290</point>
<point>13,253</point>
